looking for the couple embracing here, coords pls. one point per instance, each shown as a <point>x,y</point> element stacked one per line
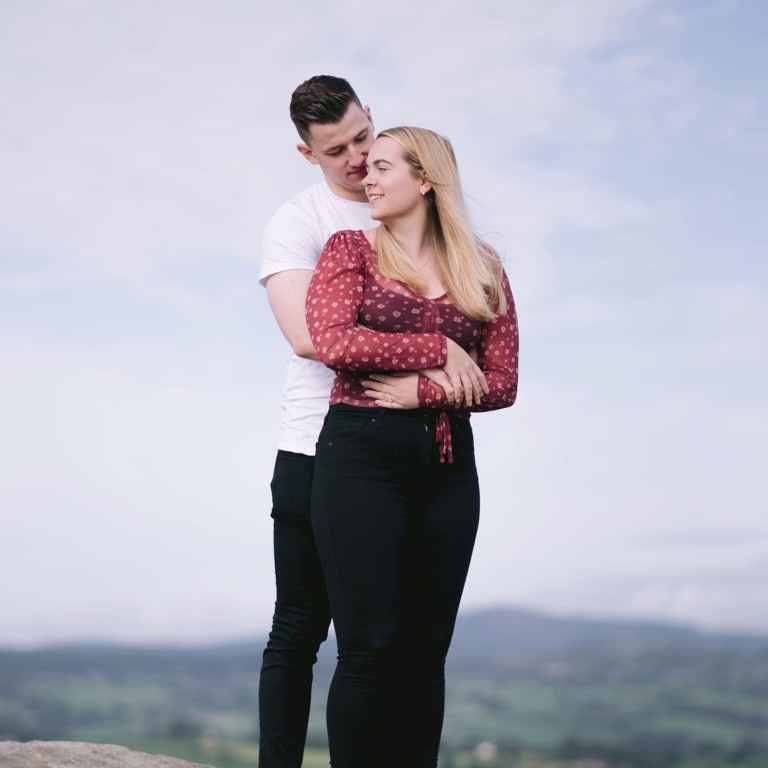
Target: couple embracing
<point>402,323</point>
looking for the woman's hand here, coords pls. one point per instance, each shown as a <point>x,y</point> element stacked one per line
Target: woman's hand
<point>467,379</point>
<point>394,390</point>
<point>441,378</point>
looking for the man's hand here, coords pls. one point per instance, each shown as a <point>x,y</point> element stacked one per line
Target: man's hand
<point>466,376</point>
<point>443,380</point>
<point>394,390</point>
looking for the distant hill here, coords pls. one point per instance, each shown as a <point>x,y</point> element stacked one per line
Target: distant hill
<point>510,631</point>
<point>490,633</point>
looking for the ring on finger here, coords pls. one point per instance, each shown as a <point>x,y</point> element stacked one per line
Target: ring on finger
<point>389,398</point>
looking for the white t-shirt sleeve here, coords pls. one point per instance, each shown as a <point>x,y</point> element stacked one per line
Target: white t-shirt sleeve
<point>290,241</point>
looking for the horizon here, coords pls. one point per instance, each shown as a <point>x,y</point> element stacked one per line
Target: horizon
<point>258,638</point>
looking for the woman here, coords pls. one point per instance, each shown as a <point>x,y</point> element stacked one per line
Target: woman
<point>395,496</point>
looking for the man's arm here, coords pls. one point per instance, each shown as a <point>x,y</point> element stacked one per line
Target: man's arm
<point>287,294</point>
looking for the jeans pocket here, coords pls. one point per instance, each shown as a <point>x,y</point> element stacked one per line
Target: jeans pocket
<point>345,427</point>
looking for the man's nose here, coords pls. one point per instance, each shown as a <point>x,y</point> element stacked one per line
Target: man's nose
<point>356,157</point>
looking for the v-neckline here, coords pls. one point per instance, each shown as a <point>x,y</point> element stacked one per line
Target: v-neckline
<point>443,295</point>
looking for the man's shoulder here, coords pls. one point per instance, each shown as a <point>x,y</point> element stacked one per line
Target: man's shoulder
<point>294,237</point>
<point>301,207</point>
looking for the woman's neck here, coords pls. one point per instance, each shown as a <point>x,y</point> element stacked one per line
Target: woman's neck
<point>414,237</point>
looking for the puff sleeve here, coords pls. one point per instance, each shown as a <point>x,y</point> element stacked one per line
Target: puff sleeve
<point>333,306</point>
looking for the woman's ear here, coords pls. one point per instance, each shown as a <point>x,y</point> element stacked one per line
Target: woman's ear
<point>424,187</point>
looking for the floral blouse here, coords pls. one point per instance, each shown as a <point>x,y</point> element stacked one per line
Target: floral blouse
<point>361,322</point>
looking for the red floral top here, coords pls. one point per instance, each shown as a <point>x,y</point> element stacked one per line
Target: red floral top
<point>403,331</point>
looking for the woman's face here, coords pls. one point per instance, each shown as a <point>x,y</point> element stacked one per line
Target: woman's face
<point>392,189</point>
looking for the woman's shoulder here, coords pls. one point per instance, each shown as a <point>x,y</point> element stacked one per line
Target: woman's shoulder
<point>350,241</point>
<point>370,236</point>
<point>352,237</point>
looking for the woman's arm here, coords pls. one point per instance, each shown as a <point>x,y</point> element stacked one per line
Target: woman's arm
<point>333,305</point>
<point>498,353</point>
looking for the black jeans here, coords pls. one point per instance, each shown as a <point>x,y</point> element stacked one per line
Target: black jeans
<point>395,529</point>
<point>301,618</point>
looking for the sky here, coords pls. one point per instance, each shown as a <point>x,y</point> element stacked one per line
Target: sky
<point>614,151</point>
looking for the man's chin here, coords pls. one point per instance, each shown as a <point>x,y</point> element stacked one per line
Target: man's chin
<point>356,179</point>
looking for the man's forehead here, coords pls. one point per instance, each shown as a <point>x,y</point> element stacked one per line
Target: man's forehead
<point>324,136</point>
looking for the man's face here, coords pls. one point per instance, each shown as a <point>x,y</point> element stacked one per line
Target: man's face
<point>341,149</point>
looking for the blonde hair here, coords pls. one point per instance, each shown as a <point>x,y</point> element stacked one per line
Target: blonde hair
<point>470,270</point>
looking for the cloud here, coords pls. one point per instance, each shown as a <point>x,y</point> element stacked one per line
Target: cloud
<point>713,598</point>
<point>717,538</point>
<point>135,491</point>
<point>580,492</point>
<point>145,146</point>
<point>147,139</point>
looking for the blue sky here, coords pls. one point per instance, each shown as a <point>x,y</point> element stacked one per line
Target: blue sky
<point>615,152</point>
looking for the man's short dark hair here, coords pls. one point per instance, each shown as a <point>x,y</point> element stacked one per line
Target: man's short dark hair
<point>322,99</point>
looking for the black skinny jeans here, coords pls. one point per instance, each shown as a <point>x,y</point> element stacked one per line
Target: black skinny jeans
<point>301,617</point>
<point>395,529</point>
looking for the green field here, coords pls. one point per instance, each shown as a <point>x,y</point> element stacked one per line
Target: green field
<point>659,703</point>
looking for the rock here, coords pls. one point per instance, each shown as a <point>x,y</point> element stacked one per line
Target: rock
<point>73,754</point>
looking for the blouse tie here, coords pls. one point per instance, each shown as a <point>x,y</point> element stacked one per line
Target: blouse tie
<point>443,437</point>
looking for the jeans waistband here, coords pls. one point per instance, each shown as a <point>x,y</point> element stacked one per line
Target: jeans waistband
<point>428,416</point>
<point>422,415</point>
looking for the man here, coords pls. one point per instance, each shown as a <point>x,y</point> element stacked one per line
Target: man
<point>336,132</point>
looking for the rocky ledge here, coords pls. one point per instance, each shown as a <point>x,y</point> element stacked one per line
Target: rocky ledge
<point>73,754</point>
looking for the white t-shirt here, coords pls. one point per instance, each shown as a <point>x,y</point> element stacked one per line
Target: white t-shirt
<point>293,239</point>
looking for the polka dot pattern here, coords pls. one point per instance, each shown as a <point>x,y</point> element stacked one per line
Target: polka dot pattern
<point>361,321</point>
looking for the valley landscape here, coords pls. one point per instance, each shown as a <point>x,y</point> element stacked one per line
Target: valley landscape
<point>525,690</point>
